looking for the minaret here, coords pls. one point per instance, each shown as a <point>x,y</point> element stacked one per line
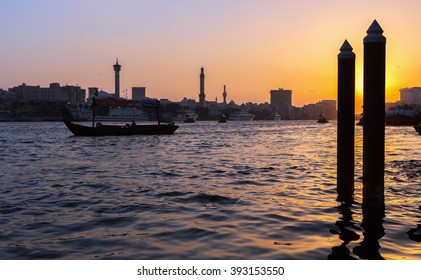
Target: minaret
<point>224,94</point>
<point>202,88</point>
<point>117,68</point>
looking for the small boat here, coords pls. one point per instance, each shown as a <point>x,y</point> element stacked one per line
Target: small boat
<point>322,119</point>
<point>222,119</point>
<point>117,130</point>
<point>190,117</point>
<point>241,116</point>
<point>418,128</point>
<point>276,117</point>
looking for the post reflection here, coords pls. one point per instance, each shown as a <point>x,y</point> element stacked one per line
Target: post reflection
<point>373,231</point>
<point>415,233</point>
<point>345,224</point>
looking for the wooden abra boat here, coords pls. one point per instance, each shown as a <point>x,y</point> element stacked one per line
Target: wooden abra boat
<point>117,130</point>
<point>100,129</point>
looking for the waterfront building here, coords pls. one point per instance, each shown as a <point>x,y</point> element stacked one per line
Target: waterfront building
<point>8,95</point>
<point>308,112</point>
<point>165,101</point>
<point>191,103</point>
<point>138,93</point>
<point>327,108</point>
<point>73,94</point>
<point>410,95</point>
<point>54,93</point>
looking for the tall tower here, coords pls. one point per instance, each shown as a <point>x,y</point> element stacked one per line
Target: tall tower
<point>202,88</point>
<point>224,94</point>
<point>117,68</point>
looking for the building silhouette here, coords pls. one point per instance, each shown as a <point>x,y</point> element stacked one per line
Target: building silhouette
<point>281,102</point>
<point>53,93</point>
<point>138,93</point>
<point>325,107</point>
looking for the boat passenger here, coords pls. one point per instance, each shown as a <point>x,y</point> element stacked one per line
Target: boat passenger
<point>133,124</point>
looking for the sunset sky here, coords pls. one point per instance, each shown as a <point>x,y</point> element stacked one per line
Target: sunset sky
<point>252,46</point>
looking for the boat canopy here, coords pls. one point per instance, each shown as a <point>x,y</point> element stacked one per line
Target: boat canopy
<point>118,103</point>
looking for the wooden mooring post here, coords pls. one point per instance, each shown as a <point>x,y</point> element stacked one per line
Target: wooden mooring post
<point>346,123</point>
<point>374,117</point>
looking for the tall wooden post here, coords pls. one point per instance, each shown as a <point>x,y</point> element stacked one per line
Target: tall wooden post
<point>374,116</point>
<point>346,122</point>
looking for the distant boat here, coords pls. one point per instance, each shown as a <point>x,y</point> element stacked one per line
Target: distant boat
<point>190,117</point>
<point>222,119</point>
<point>322,119</point>
<point>408,114</point>
<point>276,117</point>
<point>187,116</point>
<point>418,128</point>
<point>117,130</point>
<point>241,116</point>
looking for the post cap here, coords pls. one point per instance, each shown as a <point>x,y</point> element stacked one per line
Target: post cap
<point>346,51</point>
<point>374,34</point>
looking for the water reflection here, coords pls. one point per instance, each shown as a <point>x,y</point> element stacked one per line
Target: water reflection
<point>372,227</point>
<point>415,233</point>
<point>346,226</point>
<point>373,231</point>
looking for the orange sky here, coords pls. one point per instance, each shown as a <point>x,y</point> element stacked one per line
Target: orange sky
<point>252,46</point>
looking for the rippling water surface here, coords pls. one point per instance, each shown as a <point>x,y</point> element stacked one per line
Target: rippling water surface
<point>256,190</point>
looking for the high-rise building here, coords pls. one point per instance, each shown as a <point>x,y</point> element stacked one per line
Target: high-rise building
<point>202,95</point>
<point>281,102</point>
<point>138,93</point>
<point>117,68</point>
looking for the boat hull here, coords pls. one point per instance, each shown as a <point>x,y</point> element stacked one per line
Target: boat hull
<point>322,119</point>
<point>402,120</point>
<point>116,130</point>
<point>418,128</point>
